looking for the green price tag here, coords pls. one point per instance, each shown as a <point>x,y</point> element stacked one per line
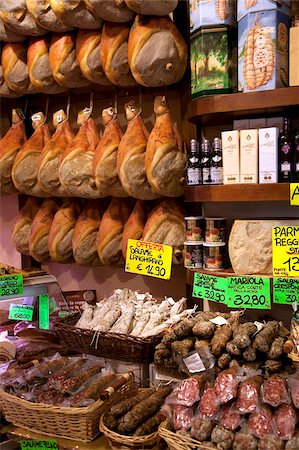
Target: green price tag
<point>44,312</point>
<point>210,287</point>
<point>21,312</point>
<point>26,445</point>
<point>285,290</point>
<point>11,284</point>
<point>248,292</point>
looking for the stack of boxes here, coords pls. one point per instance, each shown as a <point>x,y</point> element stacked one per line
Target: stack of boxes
<point>263,44</point>
<point>213,46</point>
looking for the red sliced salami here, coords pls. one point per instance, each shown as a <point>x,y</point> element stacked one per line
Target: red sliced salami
<point>209,404</point>
<point>226,385</point>
<point>285,421</point>
<point>275,391</point>
<point>188,392</point>
<point>182,417</point>
<point>230,418</point>
<point>248,395</point>
<point>261,423</point>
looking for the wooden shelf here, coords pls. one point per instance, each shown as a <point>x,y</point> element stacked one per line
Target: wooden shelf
<point>238,193</point>
<point>217,108</point>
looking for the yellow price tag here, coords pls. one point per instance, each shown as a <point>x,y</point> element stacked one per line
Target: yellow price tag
<point>148,258</point>
<point>285,251</point>
<point>294,194</point>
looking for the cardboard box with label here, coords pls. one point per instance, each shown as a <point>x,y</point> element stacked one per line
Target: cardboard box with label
<point>268,155</point>
<point>231,157</point>
<point>245,7</point>
<point>212,12</point>
<point>248,156</point>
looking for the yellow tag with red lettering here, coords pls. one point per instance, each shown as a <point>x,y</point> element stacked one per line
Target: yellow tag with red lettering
<point>149,258</point>
<point>294,194</point>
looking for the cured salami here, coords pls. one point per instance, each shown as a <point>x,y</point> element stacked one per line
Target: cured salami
<point>226,385</point>
<point>188,392</point>
<point>271,443</point>
<point>182,417</point>
<point>201,428</point>
<point>230,418</point>
<point>248,395</point>
<point>209,404</point>
<point>275,391</point>
<point>244,440</point>
<point>261,423</point>
<point>285,421</point>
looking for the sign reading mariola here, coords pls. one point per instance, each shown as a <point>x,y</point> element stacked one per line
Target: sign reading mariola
<point>285,251</point>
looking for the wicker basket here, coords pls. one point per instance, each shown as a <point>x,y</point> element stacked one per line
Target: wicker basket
<point>108,345</point>
<point>178,442</point>
<point>81,424</point>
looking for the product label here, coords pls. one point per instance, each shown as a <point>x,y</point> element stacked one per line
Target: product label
<point>285,251</point>
<point>193,176</point>
<point>149,258</point>
<point>216,175</point>
<point>294,194</point>
<point>11,284</point>
<point>206,176</point>
<point>44,312</point>
<point>285,290</point>
<point>297,167</point>
<point>248,292</point>
<point>20,312</point>
<point>194,363</point>
<point>286,167</point>
<point>26,445</point>
<point>209,287</point>
<point>285,149</point>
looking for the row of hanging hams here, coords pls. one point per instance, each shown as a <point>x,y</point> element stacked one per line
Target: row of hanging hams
<point>137,163</point>
<point>91,234</point>
<point>151,53</point>
<point>21,18</point>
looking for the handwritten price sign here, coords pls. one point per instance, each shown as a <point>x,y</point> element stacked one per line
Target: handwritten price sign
<point>285,290</point>
<point>148,258</point>
<point>248,292</point>
<point>21,312</point>
<point>41,445</point>
<point>285,251</point>
<point>11,284</point>
<point>209,287</point>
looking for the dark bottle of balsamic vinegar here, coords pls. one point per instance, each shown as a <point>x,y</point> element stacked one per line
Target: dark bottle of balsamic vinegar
<point>285,154</point>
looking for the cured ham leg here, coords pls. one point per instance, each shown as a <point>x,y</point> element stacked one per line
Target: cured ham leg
<point>51,156</point>
<point>131,156</point>
<point>75,171</point>
<point>24,171</point>
<point>134,226</point>
<point>22,228</point>
<point>10,144</point>
<point>85,236</point>
<point>105,157</point>
<point>165,159</point>
<point>111,231</point>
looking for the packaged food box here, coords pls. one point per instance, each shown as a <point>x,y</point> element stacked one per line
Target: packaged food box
<point>251,6</point>
<point>212,12</point>
<point>213,61</point>
<point>263,51</point>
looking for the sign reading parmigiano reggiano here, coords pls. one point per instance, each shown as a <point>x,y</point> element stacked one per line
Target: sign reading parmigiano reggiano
<point>285,251</point>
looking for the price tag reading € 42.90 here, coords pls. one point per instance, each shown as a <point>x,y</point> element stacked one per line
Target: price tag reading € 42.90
<point>11,284</point>
<point>285,251</point>
<point>148,258</point>
<point>285,290</point>
<point>248,292</point>
<point>209,287</point>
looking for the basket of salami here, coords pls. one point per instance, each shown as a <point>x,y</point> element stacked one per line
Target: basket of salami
<point>62,396</point>
<point>132,424</point>
<point>126,326</point>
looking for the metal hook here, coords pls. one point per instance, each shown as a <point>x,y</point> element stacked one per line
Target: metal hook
<point>47,108</point>
<point>26,106</point>
<point>68,107</point>
<point>91,101</point>
<point>115,100</point>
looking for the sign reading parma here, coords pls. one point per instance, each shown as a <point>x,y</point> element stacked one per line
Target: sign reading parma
<point>285,251</point>
<point>148,258</point>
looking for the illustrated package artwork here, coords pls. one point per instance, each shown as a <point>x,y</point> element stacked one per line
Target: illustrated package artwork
<point>263,51</point>
<point>212,12</point>
<point>251,6</point>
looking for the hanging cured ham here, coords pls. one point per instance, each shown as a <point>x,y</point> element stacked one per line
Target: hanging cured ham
<point>64,65</point>
<point>6,35</point>
<point>24,170</point>
<point>14,66</point>
<point>88,47</point>
<point>157,52</point>
<point>165,157</point>
<point>131,156</point>
<point>44,16</point>
<point>4,89</point>
<point>134,226</point>
<point>111,10</point>
<point>75,14</point>
<point>17,18</point>
<point>166,225</point>
<point>39,69</point>
<point>75,172</point>
<point>38,241</point>
<point>105,157</point>
<point>111,231</point>
<point>85,236</point>
<point>10,144</point>
<point>152,7</point>
<point>114,54</point>
<point>61,231</point>
<point>51,156</point>
<point>22,228</point>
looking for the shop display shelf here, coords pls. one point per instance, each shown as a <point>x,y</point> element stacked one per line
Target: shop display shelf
<point>238,193</point>
<point>214,109</point>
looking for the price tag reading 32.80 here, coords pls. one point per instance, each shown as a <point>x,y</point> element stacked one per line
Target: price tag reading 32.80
<point>285,251</point>
<point>248,292</point>
<point>148,258</point>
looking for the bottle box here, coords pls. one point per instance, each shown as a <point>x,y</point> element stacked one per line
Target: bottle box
<point>231,156</point>
<point>213,61</point>
<point>248,156</point>
<point>212,12</point>
<point>263,51</point>
<point>245,7</point>
<point>294,56</point>
<point>268,155</point>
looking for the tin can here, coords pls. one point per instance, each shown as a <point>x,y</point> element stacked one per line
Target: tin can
<point>214,254</point>
<point>195,226</point>
<point>216,229</point>
<point>193,255</point>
